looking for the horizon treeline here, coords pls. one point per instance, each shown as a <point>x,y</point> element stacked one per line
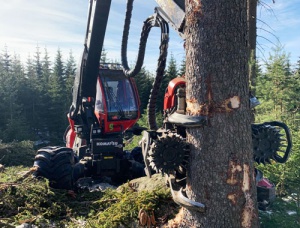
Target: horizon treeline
<point>36,95</point>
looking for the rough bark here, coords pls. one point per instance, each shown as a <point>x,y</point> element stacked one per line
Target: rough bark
<point>221,172</point>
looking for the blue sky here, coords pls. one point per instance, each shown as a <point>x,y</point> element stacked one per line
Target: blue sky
<point>279,23</point>
<point>26,24</point>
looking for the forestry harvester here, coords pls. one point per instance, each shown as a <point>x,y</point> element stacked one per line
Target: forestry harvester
<point>106,105</point>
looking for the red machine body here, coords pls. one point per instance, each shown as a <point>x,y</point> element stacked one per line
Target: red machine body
<point>170,95</point>
<point>116,104</point>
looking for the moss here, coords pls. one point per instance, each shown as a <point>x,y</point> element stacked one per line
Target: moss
<point>12,173</point>
<point>122,207</point>
<point>24,199</point>
<point>32,201</point>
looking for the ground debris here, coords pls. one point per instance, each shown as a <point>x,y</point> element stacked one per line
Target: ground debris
<point>28,200</point>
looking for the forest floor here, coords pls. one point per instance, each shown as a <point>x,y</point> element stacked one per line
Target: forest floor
<point>26,201</point>
<point>30,202</point>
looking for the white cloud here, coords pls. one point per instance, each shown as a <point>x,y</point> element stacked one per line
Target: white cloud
<point>51,24</point>
<point>61,24</point>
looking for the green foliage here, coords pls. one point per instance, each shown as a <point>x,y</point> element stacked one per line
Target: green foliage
<point>135,139</point>
<point>132,142</point>
<point>70,72</point>
<point>144,81</point>
<point>142,122</point>
<point>278,91</point>
<point>284,214</point>
<point>122,207</point>
<point>275,87</point>
<point>17,154</point>
<point>32,201</point>
<point>57,93</point>
<point>182,67</point>
<point>16,129</point>
<point>24,199</point>
<point>11,173</point>
<point>35,98</point>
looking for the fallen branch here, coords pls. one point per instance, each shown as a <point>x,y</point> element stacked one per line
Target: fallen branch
<point>26,174</point>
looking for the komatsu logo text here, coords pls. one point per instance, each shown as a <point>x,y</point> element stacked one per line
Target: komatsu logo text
<point>111,143</point>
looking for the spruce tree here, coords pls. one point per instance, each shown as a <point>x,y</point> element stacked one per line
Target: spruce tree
<point>2,104</point>
<point>57,109</point>
<point>70,72</point>
<point>144,82</point>
<point>6,60</point>
<point>182,67</point>
<point>31,101</point>
<point>7,85</point>
<point>272,86</point>
<point>46,69</point>
<point>103,58</point>
<point>293,98</point>
<point>15,126</point>
<point>18,127</point>
<point>37,63</point>
<point>43,67</point>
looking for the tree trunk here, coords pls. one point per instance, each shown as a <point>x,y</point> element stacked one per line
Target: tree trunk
<point>221,171</point>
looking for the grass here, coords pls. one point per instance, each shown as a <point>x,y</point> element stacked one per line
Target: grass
<point>282,214</point>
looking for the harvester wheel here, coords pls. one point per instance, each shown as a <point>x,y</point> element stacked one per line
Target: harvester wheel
<point>56,164</point>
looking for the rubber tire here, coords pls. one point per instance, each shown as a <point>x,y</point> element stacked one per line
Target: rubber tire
<point>56,164</point>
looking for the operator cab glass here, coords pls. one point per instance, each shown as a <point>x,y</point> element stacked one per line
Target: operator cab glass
<point>116,95</point>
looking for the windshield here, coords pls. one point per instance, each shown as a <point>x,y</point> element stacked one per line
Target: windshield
<point>119,96</point>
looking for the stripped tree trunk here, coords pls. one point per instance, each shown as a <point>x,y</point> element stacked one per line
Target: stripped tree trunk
<point>221,171</point>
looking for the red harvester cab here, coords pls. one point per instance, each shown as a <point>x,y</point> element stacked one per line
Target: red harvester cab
<point>116,105</point>
<point>117,102</point>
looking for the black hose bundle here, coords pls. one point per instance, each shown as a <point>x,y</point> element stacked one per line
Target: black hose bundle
<point>153,21</point>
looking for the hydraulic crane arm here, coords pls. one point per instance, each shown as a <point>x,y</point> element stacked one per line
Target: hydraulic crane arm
<point>88,67</point>
<point>173,12</point>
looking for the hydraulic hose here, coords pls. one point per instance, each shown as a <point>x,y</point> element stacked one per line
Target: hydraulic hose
<point>151,108</point>
<point>153,21</point>
<point>142,46</point>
